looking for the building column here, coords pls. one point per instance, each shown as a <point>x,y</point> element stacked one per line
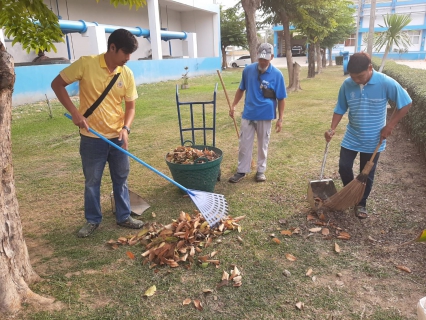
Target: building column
<point>98,44</point>
<point>192,45</point>
<point>155,29</point>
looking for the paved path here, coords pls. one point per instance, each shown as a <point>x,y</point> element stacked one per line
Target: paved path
<point>282,62</point>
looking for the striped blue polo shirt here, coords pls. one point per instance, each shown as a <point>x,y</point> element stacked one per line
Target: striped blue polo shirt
<point>366,106</point>
<point>256,106</point>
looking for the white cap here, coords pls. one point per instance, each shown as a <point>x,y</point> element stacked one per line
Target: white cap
<point>265,51</point>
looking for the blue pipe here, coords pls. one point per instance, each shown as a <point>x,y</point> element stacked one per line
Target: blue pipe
<point>69,26</point>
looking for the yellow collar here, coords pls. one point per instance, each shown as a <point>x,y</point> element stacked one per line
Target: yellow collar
<point>104,65</point>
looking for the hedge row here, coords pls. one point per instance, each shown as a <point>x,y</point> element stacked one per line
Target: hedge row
<point>414,81</point>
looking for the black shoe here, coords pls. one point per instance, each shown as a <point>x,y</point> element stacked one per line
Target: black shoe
<point>361,212</point>
<point>87,229</point>
<point>131,223</point>
<point>260,177</point>
<point>237,177</point>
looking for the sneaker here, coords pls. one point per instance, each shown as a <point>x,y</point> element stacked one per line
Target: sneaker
<point>361,212</point>
<point>87,229</point>
<point>131,223</point>
<point>260,177</point>
<point>237,177</point>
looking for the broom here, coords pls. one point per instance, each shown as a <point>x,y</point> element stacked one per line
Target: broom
<point>230,108</point>
<point>352,193</point>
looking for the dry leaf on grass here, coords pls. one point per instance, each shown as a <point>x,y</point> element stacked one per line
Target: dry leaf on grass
<point>336,247</point>
<point>310,217</point>
<point>343,235</point>
<point>151,290</point>
<point>404,268</point>
<point>290,257</point>
<point>286,232</point>
<point>325,231</point>
<point>177,242</point>
<point>313,230</point>
<point>309,272</point>
<point>300,305</point>
<point>130,255</point>
<point>197,305</point>
<point>186,301</point>
<point>225,275</point>
<point>276,240</point>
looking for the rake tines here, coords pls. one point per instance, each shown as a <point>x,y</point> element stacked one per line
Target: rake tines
<point>212,206</point>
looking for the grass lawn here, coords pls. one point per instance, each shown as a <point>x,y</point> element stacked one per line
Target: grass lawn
<point>95,282</point>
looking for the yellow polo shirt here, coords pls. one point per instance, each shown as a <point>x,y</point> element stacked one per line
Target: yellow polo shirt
<point>94,76</point>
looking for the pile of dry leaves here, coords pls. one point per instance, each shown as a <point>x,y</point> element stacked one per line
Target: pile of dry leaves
<point>187,155</point>
<point>181,241</point>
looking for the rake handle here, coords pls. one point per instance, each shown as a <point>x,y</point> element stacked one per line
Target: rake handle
<point>135,158</point>
<point>230,107</point>
<point>229,102</point>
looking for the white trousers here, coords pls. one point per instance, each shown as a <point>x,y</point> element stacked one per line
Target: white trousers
<point>262,128</point>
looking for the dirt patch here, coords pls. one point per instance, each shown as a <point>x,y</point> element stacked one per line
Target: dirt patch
<point>397,215</point>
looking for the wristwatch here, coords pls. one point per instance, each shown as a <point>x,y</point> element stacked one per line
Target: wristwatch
<point>127,129</point>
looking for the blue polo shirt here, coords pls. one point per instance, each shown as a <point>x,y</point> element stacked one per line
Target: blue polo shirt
<point>256,106</point>
<point>366,106</point>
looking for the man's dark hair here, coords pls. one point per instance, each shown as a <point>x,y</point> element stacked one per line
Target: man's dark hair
<point>123,39</point>
<point>359,62</point>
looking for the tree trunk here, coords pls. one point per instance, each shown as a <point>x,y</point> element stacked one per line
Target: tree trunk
<point>296,79</point>
<point>224,62</point>
<point>287,40</point>
<point>330,57</point>
<point>311,61</point>
<point>385,55</point>
<point>318,56</point>
<point>15,268</point>
<point>250,7</point>
<point>324,57</point>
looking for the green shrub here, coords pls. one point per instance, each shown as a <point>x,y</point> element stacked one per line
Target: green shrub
<point>414,81</point>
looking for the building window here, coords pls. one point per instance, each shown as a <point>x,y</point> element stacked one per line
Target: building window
<point>350,42</point>
<point>414,36</point>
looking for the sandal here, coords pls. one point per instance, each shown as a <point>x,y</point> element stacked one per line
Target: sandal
<point>361,212</point>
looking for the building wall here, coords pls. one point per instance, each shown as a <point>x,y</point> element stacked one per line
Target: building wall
<point>200,17</point>
<point>33,82</point>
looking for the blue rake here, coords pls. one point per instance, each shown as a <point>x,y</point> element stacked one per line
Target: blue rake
<point>212,206</point>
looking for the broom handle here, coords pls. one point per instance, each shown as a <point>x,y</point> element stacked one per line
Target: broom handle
<point>323,160</point>
<point>229,102</point>
<point>136,158</point>
<point>369,165</point>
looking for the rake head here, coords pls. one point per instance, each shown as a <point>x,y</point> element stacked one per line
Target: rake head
<point>212,206</point>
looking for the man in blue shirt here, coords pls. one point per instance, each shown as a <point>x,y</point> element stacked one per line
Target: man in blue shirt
<point>365,96</point>
<point>264,89</point>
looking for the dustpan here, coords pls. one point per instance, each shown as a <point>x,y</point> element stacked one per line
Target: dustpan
<point>322,189</point>
<point>137,204</point>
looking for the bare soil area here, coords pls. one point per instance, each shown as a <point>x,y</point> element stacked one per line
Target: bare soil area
<point>395,274</point>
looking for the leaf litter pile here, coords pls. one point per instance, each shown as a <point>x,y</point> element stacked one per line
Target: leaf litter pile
<point>188,155</point>
<point>179,243</point>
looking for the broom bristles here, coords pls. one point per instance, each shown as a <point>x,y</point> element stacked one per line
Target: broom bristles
<point>349,196</point>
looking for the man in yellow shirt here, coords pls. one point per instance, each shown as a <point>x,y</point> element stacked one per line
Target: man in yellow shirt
<point>94,73</point>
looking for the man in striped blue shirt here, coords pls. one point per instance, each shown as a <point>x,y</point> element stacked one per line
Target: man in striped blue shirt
<point>365,96</point>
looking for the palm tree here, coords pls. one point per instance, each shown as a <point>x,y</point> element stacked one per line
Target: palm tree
<point>393,35</point>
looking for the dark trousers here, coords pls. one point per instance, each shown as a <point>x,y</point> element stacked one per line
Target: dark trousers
<point>346,162</point>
